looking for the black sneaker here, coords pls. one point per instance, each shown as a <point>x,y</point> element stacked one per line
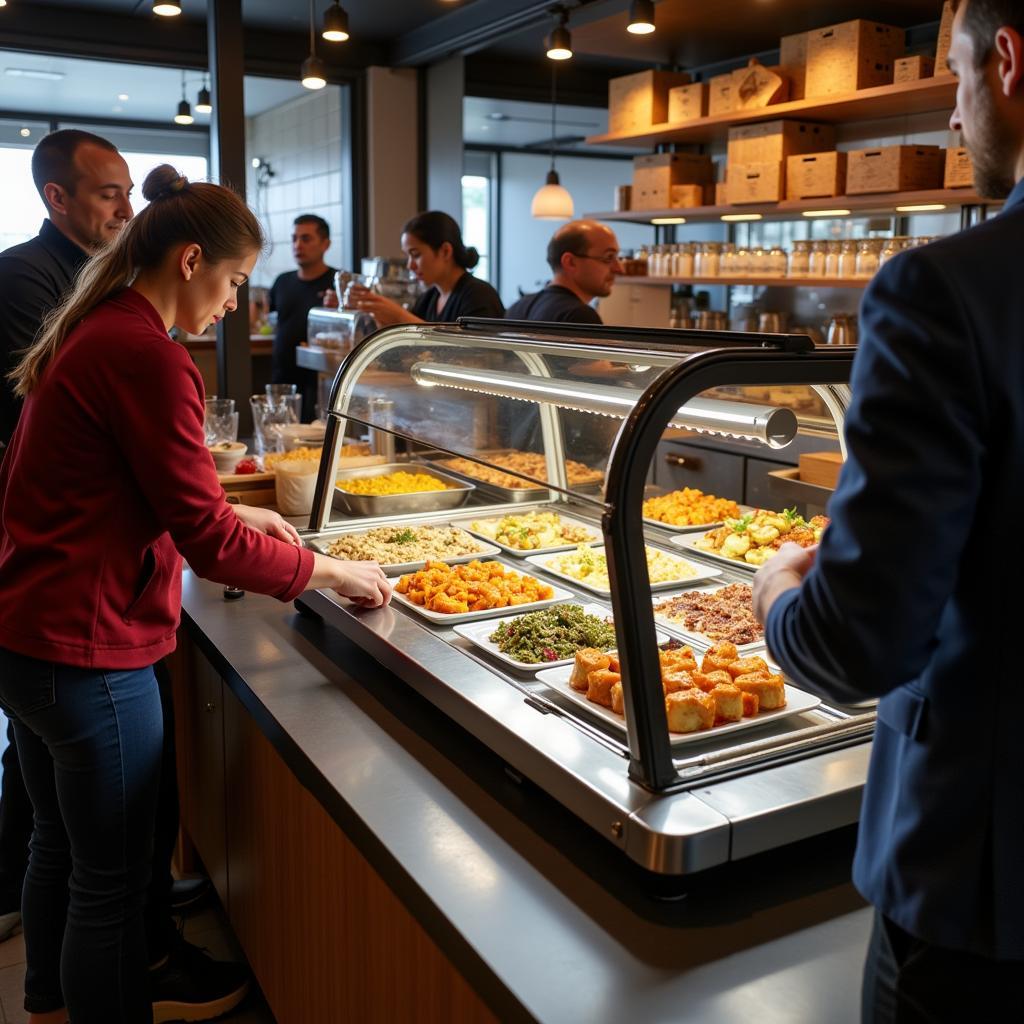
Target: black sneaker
<point>191,986</point>
<point>188,893</point>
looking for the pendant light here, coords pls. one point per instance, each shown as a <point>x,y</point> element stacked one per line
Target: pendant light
<point>184,114</point>
<point>314,74</point>
<point>203,104</point>
<point>552,201</point>
<point>641,17</point>
<point>335,23</point>
<point>560,42</point>
<point>166,8</point>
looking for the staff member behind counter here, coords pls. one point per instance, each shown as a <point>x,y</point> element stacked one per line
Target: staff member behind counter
<point>435,253</point>
<point>584,258</point>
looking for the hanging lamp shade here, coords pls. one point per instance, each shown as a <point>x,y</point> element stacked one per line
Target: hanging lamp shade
<point>552,200</point>
<point>560,44</point>
<point>166,8</point>
<point>184,114</point>
<point>314,74</point>
<point>641,17</point>
<point>203,104</point>
<point>335,24</point>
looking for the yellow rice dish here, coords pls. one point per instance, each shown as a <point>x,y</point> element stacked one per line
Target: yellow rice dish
<point>393,483</point>
<point>590,566</point>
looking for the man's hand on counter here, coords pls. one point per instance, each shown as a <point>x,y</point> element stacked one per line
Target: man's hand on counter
<point>780,573</point>
<point>269,522</point>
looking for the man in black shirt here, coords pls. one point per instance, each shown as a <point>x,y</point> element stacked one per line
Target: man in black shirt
<point>292,296</point>
<point>584,258</point>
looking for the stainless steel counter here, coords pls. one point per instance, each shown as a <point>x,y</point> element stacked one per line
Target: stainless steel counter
<point>547,921</point>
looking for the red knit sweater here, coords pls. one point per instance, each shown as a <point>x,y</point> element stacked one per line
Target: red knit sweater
<point>106,480</point>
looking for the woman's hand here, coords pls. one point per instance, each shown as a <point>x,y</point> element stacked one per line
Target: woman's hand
<point>363,583</point>
<point>269,522</point>
<point>385,311</point>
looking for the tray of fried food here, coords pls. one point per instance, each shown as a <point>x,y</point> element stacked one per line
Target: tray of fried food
<point>505,476</point>
<point>537,531</point>
<point>689,509</point>
<point>717,693</point>
<point>753,538</point>
<point>447,594</point>
<point>705,615</point>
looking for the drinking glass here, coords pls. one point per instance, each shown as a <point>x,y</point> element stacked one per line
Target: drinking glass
<point>269,418</point>
<point>280,390</point>
<point>220,421</point>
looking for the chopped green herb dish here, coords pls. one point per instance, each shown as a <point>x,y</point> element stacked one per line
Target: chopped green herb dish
<point>553,634</point>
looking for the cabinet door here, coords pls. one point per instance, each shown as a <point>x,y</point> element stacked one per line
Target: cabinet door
<point>714,472</point>
<point>199,706</point>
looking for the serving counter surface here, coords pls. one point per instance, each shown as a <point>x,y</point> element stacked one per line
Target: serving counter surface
<point>545,919</point>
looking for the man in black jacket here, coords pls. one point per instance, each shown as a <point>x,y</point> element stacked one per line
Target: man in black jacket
<point>912,596</point>
<point>584,259</point>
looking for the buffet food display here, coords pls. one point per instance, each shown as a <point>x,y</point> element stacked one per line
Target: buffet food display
<point>400,482</point>
<point>535,531</point>
<point>553,634</point>
<point>689,507</point>
<point>723,613</point>
<point>753,538</point>
<point>475,587</point>
<point>530,464</point>
<point>398,545</point>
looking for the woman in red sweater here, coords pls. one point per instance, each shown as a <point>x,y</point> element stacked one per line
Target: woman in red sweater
<point>106,484</point>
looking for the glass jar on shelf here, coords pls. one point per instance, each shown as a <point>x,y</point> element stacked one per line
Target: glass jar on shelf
<point>817,258</point>
<point>890,248</point>
<point>833,250</point>
<point>727,260</point>
<point>741,261</point>
<point>868,251</point>
<point>684,267</point>
<point>777,261</point>
<point>799,263</point>
<point>848,258</point>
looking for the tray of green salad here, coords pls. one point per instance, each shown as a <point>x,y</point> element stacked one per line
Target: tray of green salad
<point>544,638</point>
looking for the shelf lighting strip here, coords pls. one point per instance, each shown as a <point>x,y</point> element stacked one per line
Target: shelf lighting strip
<point>774,427</point>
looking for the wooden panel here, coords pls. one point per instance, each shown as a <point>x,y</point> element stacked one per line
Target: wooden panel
<point>199,717</point>
<point>326,937</point>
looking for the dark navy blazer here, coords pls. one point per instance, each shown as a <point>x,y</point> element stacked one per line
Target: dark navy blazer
<point>916,595</point>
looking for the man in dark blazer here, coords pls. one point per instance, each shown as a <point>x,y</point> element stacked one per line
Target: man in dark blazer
<point>913,595</point>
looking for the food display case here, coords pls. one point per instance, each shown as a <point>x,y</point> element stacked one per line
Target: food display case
<point>571,417</point>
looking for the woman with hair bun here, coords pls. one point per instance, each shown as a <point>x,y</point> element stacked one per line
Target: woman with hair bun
<point>105,485</point>
<point>435,253</point>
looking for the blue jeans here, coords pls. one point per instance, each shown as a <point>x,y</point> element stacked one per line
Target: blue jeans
<point>90,747</point>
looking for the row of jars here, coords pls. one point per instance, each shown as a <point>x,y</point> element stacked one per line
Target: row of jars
<point>848,258</point>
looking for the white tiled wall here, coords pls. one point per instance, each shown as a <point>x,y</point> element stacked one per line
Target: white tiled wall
<point>302,141</point>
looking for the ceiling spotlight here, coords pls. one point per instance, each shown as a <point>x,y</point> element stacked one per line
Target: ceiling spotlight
<point>184,114</point>
<point>335,23</point>
<point>24,132</point>
<point>122,96</point>
<point>203,103</point>
<point>166,8</point>
<point>641,17</point>
<point>560,42</point>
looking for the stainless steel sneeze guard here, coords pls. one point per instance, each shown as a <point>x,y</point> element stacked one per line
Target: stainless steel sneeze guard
<point>718,800</point>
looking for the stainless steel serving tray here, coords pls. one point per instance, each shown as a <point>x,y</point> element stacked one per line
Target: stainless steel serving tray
<point>398,504</point>
<point>514,494</point>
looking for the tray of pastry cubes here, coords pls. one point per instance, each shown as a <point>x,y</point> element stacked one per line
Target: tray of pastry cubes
<point>706,615</point>
<point>588,567</point>
<point>404,547</point>
<point>445,594</point>
<point>707,695</point>
<point>689,509</point>
<point>540,531</point>
<point>756,536</point>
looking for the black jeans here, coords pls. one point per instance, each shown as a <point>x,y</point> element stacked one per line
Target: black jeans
<point>90,744</point>
<point>907,981</point>
<point>15,827</point>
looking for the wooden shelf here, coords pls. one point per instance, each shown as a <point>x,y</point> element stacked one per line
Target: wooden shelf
<point>790,209</point>
<point>768,282</point>
<point>923,96</point>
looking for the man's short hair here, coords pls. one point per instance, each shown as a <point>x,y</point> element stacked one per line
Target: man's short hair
<point>322,227</point>
<point>983,18</point>
<point>54,158</point>
<point>572,239</point>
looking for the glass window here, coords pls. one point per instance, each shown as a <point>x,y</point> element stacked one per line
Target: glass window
<point>23,209</point>
<point>476,220</point>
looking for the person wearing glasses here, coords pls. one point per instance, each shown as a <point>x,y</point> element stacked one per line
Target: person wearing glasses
<point>437,256</point>
<point>584,259</point>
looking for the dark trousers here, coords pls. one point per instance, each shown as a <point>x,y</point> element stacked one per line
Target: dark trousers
<point>16,830</point>
<point>908,981</point>
<point>91,749</point>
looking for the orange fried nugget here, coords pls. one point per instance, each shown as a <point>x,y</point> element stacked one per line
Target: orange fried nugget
<point>587,660</point>
<point>673,681</point>
<point>681,659</point>
<point>728,702</point>
<point>689,710</point>
<point>770,690</point>
<point>747,666</point>
<point>599,685</point>
<point>707,681</point>
<point>750,705</point>
<point>719,657</point>
<point>618,704</point>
